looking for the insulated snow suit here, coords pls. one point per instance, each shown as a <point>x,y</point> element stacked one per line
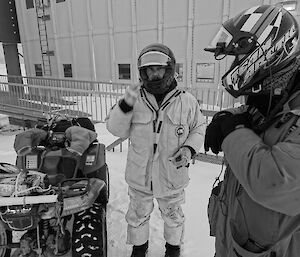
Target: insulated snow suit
<point>155,135</point>
<point>256,213</point>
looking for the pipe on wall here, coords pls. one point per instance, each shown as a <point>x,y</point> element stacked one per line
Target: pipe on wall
<point>91,40</point>
<point>134,41</point>
<point>190,44</point>
<point>72,32</point>
<point>225,16</point>
<point>160,21</point>
<point>111,39</point>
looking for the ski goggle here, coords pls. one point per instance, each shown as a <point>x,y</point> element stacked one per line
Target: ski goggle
<point>153,58</point>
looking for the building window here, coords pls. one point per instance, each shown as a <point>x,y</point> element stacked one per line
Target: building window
<point>179,71</point>
<point>68,70</point>
<point>205,72</point>
<point>38,70</point>
<point>29,4</point>
<point>43,4</point>
<point>59,1</point>
<point>124,71</point>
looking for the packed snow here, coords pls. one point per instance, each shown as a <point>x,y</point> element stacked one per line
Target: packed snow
<point>197,242</point>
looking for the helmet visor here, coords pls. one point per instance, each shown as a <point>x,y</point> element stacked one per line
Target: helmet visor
<point>154,58</point>
<point>222,37</point>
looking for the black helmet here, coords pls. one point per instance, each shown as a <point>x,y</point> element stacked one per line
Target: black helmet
<point>160,55</point>
<point>264,40</point>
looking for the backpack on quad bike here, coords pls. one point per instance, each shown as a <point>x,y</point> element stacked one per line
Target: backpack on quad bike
<point>60,183</point>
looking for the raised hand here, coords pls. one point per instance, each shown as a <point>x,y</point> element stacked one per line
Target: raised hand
<point>131,94</point>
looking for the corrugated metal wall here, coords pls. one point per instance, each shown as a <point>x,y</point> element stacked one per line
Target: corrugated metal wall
<point>97,35</point>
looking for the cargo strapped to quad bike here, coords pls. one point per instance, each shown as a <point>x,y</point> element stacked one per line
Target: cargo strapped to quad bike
<point>25,211</point>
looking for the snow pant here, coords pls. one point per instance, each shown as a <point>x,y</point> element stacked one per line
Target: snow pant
<point>138,215</point>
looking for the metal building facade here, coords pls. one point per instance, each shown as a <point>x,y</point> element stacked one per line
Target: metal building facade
<point>100,40</point>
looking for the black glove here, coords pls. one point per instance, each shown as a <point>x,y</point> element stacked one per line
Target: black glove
<point>234,122</point>
<point>214,136</point>
<point>222,125</point>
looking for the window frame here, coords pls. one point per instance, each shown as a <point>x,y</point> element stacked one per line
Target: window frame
<point>179,69</point>
<point>122,76</point>
<point>67,74</point>
<point>38,71</point>
<point>29,4</point>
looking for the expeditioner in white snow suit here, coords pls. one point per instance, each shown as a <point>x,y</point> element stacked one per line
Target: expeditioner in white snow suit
<point>255,210</point>
<point>166,128</point>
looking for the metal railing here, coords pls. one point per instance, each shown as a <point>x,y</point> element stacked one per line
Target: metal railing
<point>37,97</point>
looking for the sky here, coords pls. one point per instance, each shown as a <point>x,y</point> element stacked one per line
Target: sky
<point>197,242</point>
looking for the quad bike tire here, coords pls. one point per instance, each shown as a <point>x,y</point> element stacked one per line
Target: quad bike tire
<point>5,238</point>
<point>89,235</point>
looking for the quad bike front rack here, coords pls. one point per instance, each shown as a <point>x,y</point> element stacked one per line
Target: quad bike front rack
<point>70,204</point>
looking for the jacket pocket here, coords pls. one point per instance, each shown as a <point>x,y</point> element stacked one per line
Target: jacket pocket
<point>176,178</point>
<point>251,249</point>
<point>239,251</point>
<point>214,208</point>
<point>141,117</point>
<point>178,129</point>
<point>141,130</point>
<point>250,219</point>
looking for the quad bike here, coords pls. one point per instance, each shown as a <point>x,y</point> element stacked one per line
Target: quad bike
<point>56,193</point>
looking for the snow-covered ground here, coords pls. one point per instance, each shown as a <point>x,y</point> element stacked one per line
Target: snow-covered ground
<point>197,242</point>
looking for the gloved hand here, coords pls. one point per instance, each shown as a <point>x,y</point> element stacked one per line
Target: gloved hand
<point>222,125</point>
<point>236,121</point>
<point>182,157</point>
<point>131,94</point>
<point>213,135</point>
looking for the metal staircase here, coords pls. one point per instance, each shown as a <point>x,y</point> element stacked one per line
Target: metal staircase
<point>42,12</point>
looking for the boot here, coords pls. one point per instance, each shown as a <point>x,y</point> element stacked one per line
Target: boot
<point>172,250</point>
<point>140,250</point>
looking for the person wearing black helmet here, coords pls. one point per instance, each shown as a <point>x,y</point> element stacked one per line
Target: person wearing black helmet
<point>255,211</point>
<point>166,128</point>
